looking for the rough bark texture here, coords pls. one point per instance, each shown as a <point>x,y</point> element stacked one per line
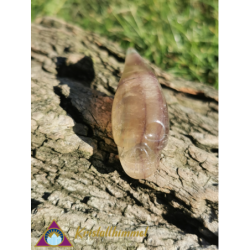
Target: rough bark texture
<point>77,178</point>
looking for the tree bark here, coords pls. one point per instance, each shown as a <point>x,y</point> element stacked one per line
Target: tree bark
<point>77,178</point>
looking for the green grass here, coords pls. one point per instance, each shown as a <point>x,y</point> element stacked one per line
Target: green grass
<point>180,36</point>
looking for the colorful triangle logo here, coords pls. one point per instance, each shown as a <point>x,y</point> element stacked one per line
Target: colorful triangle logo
<point>53,237</point>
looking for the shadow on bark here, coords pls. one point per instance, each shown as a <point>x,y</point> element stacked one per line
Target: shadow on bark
<point>35,204</point>
<point>82,70</point>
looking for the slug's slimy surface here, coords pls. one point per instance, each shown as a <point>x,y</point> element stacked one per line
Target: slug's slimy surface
<point>139,118</point>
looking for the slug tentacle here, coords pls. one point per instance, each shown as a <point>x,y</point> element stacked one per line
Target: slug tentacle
<point>140,120</point>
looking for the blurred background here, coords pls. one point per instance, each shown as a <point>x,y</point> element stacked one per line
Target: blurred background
<point>180,36</point>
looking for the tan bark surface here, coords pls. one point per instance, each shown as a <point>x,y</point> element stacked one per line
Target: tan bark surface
<point>77,178</point>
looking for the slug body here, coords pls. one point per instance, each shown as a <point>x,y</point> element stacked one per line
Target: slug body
<point>140,121</point>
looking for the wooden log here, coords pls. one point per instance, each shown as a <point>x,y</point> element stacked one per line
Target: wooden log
<point>77,178</point>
